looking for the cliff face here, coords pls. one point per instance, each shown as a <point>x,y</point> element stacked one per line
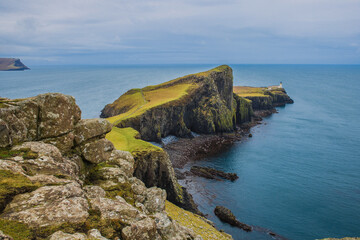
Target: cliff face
<point>11,64</point>
<point>201,102</point>
<point>263,98</point>
<point>61,179</point>
<point>152,166</point>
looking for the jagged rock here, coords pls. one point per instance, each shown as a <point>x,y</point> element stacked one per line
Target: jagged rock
<point>90,128</point>
<point>144,229</point>
<point>48,115</point>
<point>64,142</point>
<point>59,235</point>
<point>116,208</point>
<point>48,179</point>
<point>11,166</point>
<point>111,173</point>
<point>171,229</point>
<point>5,237</point>
<point>92,191</point>
<point>124,160</point>
<point>49,205</point>
<point>5,139</point>
<point>47,160</point>
<point>95,234</point>
<point>154,169</point>
<point>212,173</point>
<point>22,120</point>
<point>58,114</point>
<point>97,151</point>
<point>155,199</point>
<point>227,216</point>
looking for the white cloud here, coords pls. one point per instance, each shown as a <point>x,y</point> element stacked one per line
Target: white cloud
<point>49,28</point>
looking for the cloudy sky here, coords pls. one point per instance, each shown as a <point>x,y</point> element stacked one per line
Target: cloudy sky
<point>180,31</point>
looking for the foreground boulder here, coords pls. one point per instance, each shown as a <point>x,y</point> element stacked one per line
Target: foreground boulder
<point>227,216</point>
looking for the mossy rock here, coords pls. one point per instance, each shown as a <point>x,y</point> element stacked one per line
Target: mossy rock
<point>16,230</point>
<point>12,184</point>
<point>26,153</point>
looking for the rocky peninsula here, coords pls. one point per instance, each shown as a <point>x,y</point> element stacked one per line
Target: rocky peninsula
<point>12,64</point>
<point>63,177</point>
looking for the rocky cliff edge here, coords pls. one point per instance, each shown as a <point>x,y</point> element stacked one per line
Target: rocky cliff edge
<point>61,179</point>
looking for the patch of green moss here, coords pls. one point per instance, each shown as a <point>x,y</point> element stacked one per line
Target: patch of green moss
<point>16,230</point>
<point>12,184</point>
<point>123,190</point>
<point>26,153</point>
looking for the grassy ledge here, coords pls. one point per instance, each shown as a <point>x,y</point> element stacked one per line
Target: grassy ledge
<point>127,139</point>
<point>194,222</point>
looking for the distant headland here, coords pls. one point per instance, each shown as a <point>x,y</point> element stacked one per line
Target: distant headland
<point>12,64</point>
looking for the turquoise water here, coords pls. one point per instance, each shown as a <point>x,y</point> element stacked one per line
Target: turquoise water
<point>298,175</point>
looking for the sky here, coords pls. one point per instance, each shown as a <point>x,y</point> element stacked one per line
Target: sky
<point>181,31</point>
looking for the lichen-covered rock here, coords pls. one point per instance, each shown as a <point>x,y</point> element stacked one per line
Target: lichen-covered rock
<point>49,205</point>
<point>116,209</point>
<point>124,160</point>
<point>93,191</point>
<point>144,229</point>
<point>58,114</point>
<point>95,234</point>
<point>5,139</point>
<point>97,151</point>
<point>59,235</point>
<point>22,120</point>
<point>64,142</point>
<point>45,116</point>
<point>90,128</point>
<point>46,160</point>
<point>155,200</point>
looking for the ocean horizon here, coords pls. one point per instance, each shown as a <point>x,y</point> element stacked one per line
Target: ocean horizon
<point>298,174</point>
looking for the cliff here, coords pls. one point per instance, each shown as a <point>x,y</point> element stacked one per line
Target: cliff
<point>11,64</point>
<point>61,179</point>
<point>263,98</point>
<point>201,103</point>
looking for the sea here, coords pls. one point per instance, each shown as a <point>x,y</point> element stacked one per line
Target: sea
<point>299,175</point>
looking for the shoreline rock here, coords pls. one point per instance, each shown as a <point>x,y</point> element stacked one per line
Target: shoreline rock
<point>227,216</point>
<point>212,173</point>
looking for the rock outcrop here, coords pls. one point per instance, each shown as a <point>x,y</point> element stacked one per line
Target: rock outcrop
<point>263,98</point>
<point>201,103</point>
<point>211,173</point>
<point>61,179</point>
<point>12,64</point>
<point>227,216</point>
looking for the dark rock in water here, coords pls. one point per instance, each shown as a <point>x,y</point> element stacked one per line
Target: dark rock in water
<point>227,216</point>
<point>211,173</point>
<point>250,135</point>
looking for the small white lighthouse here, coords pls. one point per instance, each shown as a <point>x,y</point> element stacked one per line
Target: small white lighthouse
<point>280,85</point>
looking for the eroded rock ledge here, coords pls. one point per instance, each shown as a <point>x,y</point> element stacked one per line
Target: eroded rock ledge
<point>61,179</point>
